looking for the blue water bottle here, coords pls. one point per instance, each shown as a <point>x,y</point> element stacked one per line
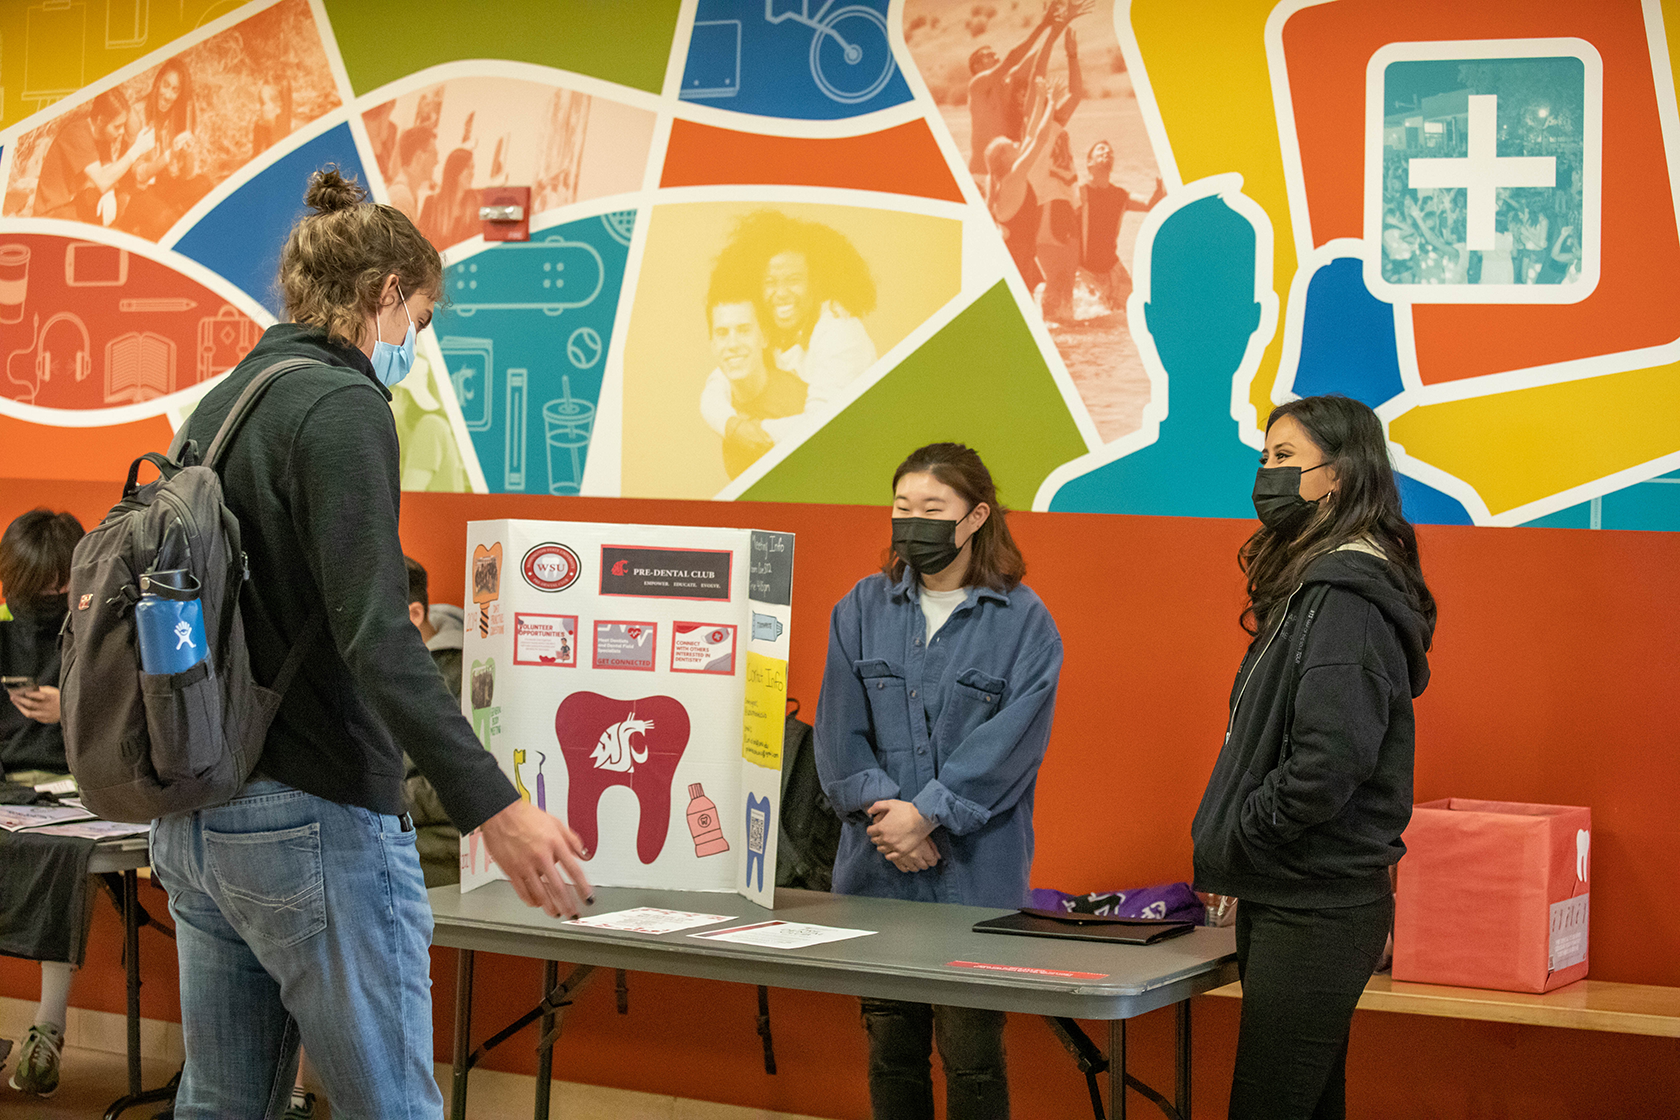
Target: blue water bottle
<point>170,622</point>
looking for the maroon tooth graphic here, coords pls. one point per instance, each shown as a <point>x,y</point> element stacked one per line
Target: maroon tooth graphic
<point>635,743</point>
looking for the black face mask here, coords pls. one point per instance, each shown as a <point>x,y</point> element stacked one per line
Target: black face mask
<point>1278,501</point>
<point>927,544</point>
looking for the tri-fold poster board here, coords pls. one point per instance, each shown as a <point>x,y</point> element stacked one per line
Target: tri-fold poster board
<point>632,681</point>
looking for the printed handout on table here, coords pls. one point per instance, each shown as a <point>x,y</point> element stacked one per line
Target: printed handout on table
<point>92,830</point>
<point>650,919</point>
<point>784,935</point>
<point>15,817</point>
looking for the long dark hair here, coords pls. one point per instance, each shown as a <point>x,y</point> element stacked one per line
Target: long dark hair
<point>995,561</point>
<point>181,114</point>
<point>1364,506</point>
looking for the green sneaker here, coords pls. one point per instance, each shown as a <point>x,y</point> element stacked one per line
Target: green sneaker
<point>37,1067</point>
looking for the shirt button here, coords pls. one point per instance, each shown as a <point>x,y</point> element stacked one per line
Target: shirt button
<point>880,684</point>
<point>918,641</point>
<point>912,694</point>
<point>921,750</point>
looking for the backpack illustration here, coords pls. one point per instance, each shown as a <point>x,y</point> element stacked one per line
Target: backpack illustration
<point>142,745</point>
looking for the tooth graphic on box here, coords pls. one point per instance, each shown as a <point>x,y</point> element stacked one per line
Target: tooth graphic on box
<point>758,831</point>
<point>634,743</point>
<point>765,627</point>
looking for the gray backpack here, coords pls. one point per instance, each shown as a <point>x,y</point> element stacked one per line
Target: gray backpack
<point>145,745</point>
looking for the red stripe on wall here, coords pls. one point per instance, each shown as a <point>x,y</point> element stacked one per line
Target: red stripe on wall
<point>900,160</point>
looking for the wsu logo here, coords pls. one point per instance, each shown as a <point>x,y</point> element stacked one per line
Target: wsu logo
<point>607,742</point>
<point>616,748</point>
<point>550,567</point>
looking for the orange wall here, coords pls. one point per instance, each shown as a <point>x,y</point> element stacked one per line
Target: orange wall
<point>1556,678</point>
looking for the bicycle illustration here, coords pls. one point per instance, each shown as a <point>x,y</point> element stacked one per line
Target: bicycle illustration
<point>851,56</point>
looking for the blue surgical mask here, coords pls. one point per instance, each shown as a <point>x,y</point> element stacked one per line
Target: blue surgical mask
<point>391,363</point>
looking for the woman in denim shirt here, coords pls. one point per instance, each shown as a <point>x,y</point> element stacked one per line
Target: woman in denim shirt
<point>935,712</point>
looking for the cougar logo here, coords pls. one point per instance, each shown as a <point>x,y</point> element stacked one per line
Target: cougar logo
<point>615,750</point>
<point>621,567</point>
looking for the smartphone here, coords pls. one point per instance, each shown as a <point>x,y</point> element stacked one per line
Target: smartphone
<point>18,684</point>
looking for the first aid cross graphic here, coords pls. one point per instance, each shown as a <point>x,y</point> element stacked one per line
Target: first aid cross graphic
<point>1481,171</point>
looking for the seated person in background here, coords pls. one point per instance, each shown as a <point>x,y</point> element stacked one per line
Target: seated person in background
<point>82,167</point>
<point>437,840</point>
<point>35,555</point>
<point>748,400</point>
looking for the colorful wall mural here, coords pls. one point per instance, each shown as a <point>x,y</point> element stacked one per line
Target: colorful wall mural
<point>776,242</point>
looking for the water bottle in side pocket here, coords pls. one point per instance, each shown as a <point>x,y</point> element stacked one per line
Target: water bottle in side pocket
<point>170,622</point>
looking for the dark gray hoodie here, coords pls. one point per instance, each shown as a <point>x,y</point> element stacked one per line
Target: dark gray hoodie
<point>1313,786</point>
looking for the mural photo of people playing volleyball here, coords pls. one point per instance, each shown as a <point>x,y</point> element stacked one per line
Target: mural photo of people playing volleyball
<point>1039,101</point>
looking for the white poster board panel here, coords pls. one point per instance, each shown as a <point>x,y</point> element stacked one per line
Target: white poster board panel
<point>606,670</point>
<point>770,606</point>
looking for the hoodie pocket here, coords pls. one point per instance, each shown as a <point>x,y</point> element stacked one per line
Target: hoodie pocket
<point>1218,836</point>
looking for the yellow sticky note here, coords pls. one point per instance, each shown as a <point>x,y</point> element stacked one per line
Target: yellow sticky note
<point>766,705</point>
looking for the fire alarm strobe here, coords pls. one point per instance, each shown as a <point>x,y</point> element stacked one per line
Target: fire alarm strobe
<point>505,213</point>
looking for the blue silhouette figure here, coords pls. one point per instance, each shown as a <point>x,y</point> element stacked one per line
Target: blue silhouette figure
<point>1348,346</point>
<point>1201,311</point>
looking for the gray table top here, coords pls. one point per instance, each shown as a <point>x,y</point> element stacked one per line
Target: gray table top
<point>909,957</point>
<point>128,853</point>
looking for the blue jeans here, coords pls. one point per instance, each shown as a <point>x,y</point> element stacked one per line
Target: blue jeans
<point>299,919</point>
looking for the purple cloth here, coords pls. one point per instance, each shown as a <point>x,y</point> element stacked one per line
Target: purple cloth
<point>1175,901</point>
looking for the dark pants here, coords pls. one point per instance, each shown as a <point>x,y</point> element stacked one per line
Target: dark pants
<point>1302,974</point>
<point>901,1036</point>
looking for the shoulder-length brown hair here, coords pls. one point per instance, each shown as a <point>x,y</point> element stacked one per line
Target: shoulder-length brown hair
<point>1364,506</point>
<point>35,552</point>
<point>994,561</point>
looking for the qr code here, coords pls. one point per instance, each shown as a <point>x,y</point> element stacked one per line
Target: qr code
<point>755,832</point>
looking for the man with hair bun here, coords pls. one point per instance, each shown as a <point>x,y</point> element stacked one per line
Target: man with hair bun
<point>300,907</point>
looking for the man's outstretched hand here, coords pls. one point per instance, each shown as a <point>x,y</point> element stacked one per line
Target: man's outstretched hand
<point>540,855</point>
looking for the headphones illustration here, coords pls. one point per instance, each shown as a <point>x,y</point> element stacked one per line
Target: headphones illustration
<point>82,363</point>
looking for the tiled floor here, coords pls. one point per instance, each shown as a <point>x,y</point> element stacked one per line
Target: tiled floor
<point>94,1078</point>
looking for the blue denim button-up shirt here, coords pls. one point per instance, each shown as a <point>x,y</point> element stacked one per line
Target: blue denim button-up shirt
<point>956,726</point>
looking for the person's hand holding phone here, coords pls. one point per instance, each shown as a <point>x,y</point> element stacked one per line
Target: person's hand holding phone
<point>39,702</point>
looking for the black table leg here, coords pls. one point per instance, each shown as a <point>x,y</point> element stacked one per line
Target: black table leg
<point>131,961</point>
<point>463,1033</point>
<point>1181,1091</point>
<point>545,1050</point>
<point>1117,1069</point>
<point>137,1094</point>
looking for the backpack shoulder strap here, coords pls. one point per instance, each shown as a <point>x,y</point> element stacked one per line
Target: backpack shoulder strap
<point>242,407</point>
<point>294,659</point>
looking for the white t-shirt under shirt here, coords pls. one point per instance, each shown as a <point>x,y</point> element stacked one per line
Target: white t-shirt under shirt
<point>937,607</point>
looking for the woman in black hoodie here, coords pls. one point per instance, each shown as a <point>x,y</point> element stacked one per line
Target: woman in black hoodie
<point>1302,817</point>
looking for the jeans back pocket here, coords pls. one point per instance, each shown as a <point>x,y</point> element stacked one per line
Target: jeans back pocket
<point>271,886</point>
